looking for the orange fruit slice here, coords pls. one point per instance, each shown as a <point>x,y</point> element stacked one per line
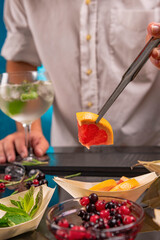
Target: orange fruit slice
<point>104,186</point>
<point>122,179</point>
<point>90,133</point>
<point>126,185</point>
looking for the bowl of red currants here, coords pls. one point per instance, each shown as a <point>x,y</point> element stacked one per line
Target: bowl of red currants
<point>94,218</point>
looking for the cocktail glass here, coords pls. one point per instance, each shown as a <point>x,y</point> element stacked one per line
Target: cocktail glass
<point>25,97</point>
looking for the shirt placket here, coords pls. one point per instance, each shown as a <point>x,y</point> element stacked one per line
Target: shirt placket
<point>88,34</point>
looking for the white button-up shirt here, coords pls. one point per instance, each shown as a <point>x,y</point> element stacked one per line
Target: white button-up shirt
<point>86,46</point>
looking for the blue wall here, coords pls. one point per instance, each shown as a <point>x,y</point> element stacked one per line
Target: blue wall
<point>7,125</point>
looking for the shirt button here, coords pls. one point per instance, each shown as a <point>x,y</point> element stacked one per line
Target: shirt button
<point>89,104</point>
<point>88,37</point>
<point>89,71</point>
<point>88,2</point>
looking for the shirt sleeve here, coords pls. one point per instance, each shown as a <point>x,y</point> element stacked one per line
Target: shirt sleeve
<point>19,44</point>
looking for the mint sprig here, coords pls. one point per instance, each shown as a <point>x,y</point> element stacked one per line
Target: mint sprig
<point>24,210</point>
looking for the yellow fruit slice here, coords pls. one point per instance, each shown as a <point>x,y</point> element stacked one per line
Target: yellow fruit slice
<point>90,133</point>
<point>104,186</point>
<point>126,185</point>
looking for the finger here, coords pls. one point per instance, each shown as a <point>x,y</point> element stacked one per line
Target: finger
<point>40,146</point>
<point>8,146</point>
<point>20,146</point>
<point>154,29</point>
<point>156,53</point>
<point>156,62</point>
<point>2,154</point>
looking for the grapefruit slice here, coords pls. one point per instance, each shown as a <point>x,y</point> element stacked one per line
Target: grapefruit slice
<point>126,185</point>
<point>90,133</point>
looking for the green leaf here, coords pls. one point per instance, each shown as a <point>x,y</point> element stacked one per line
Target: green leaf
<point>14,192</point>
<point>34,162</point>
<point>4,222</point>
<point>16,218</point>
<point>28,200</point>
<point>4,181</point>
<point>21,202</point>
<point>38,202</point>
<point>31,178</point>
<point>16,203</point>
<point>12,210</point>
<point>152,196</point>
<point>29,96</point>
<point>73,175</point>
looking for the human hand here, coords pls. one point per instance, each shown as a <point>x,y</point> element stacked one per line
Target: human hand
<point>16,143</point>
<point>154,31</point>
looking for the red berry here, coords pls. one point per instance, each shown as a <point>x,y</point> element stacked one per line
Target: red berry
<point>2,186</point>
<point>35,182</point>
<point>124,210</point>
<point>93,218</point>
<point>128,219</point>
<point>84,201</point>
<point>100,205</point>
<point>61,234</point>
<point>7,177</point>
<point>104,213</point>
<point>63,223</point>
<point>77,233</point>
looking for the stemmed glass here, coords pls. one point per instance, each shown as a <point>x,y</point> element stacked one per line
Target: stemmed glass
<point>25,97</point>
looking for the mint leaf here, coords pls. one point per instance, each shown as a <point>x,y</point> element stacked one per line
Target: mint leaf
<point>4,222</point>
<point>29,96</point>
<point>38,202</point>
<point>16,218</point>
<point>28,200</point>
<point>12,210</point>
<point>16,203</point>
<point>21,202</point>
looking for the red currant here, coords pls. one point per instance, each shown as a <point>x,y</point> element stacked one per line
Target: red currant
<point>77,232</point>
<point>93,218</point>
<point>63,223</point>
<point>128,219</point>
<point>7,177</point>
<point>124,210</point>
<point>35,182</point>
<point>2,186</point>
<point>61,234</point>
<point>104,213</point>
<point>100,205</point>
<point>84,201</point>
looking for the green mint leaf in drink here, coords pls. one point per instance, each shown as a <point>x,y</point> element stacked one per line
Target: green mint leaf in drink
<point>28,96</point>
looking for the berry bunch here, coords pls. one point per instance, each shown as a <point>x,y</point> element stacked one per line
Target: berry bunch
<point>38,180</point>
<point>96,215</point>
<point>7,178</point>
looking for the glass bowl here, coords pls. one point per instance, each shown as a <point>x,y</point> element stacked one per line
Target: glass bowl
<point>70,210</point>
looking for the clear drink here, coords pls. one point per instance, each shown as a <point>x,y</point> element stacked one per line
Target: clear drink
<point>26,102</point>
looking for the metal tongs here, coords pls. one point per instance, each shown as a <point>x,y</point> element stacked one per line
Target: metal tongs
<point>130,74</point>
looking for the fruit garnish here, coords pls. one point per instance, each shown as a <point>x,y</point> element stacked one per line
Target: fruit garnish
<point>104,186</point>
<point>122,179</point>
<point>91,133</point>
<point>126,185</point>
